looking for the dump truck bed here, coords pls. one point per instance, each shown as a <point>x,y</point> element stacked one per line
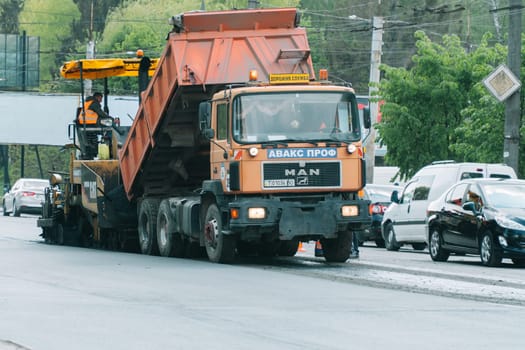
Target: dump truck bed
<point>205,52</point>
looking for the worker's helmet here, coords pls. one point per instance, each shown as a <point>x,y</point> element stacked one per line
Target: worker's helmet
<point>140,53</point>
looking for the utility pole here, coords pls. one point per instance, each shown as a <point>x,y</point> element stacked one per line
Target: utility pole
<point>511,142</point>
<point>4,149</point>
<point>375,61</point>
<point>90,53</point>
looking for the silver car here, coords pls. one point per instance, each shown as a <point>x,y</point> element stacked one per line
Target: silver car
<point>26,196</point>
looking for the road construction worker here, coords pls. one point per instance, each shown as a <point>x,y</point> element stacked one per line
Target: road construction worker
<point>93,110</point>
<point>144,65</point>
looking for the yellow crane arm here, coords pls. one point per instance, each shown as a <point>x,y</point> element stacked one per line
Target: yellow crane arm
<point>105,67</point>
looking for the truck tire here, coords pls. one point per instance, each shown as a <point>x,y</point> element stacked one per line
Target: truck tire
<point>169,240</point>
<point>219,247</point>
<point>338,249</point>
<point>148,227</point>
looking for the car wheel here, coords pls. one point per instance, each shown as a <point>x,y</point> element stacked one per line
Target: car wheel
<point>488,252</point>
<point>390,238</point>
<point>419,246</point>
<point>16,211</point>
<point>6,213</point>
<point>437,253</point>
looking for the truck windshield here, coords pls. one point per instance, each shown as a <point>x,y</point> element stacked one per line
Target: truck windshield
<point>295,116</point>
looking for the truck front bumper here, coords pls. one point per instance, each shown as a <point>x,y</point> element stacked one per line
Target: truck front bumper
<point>295,219</point>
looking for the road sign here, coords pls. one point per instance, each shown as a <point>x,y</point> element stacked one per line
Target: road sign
<point>502,83</point>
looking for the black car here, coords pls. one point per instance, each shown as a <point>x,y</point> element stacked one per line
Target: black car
<point>379,197</point>
<point>485,217</point>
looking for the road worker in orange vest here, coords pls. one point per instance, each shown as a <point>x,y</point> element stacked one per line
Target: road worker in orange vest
<point>93,110</point>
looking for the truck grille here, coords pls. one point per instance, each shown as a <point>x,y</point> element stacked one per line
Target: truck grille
<point>301,175</point>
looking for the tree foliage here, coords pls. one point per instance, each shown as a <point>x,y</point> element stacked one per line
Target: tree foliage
<point>439,109</point>
<point>51,21</point>
<point>52,158</point>
<point>9,10</point>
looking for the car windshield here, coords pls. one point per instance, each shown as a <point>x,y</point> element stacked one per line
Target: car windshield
<point>505,195</point>
<point>380,194</point>
<point>35,184</point>
<point>295,116</point>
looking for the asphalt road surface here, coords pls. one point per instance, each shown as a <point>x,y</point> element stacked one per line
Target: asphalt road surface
<point>56,297</point>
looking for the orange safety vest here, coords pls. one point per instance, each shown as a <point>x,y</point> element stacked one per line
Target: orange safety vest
<point>91,116</point>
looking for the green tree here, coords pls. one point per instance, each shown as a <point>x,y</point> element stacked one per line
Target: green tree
<point>423,105</point>
<point>52,158</point>
<point>51,20</point>
<point>9,10</point>
<point>480,137</point>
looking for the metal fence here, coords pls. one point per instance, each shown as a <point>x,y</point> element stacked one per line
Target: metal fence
<point>19,61</point>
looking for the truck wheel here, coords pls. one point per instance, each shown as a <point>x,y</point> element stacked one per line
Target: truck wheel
<point>219,247</point>
<point>338,249</point>
<point>148,227</point>
<point>288,248</point>
<point>169,240</point>
<point>390,238</point>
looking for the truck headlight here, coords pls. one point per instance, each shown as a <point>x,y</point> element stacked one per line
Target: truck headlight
<point>349,210</point>
<point>256,213</point>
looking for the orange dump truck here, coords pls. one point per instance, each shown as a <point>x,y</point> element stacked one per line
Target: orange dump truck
<point>238,149</point>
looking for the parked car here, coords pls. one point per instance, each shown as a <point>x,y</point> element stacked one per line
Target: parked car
<point>485,217</point>
<point>26,196</point>
<point>404,220</point>
<point>379,197</point>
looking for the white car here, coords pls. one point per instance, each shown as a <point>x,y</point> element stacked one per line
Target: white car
<point>26,196</point>
<point>404,222</point>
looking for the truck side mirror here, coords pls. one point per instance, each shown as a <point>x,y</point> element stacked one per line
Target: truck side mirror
<point>204,115</point>
<point>205,120</point>
<point>208,133</point>
<point>366,117</point>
